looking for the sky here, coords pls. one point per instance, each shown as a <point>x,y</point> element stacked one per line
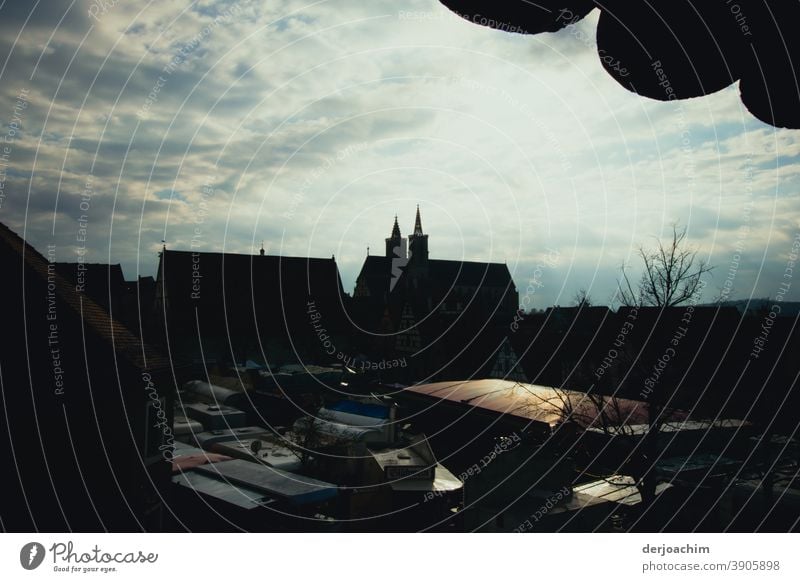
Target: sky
<point>214,126</point>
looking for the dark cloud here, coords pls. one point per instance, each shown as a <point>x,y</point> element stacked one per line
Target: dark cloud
<point>69,15</point>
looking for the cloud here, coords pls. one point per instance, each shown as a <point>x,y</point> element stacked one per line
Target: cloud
<point>312,125</point>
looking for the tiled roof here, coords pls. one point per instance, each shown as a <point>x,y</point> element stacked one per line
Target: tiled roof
<point>126,344</point>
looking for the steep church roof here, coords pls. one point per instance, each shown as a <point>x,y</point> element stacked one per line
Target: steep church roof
<point>471,273</point>
<point>376,274</point>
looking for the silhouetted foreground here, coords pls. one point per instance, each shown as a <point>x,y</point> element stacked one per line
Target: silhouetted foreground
<point>423,402</point>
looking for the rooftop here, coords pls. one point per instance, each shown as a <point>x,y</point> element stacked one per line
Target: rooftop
<point>543,404</point>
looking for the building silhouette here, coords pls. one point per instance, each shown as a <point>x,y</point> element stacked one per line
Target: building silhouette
<point>88,405</point>
<point>230,308</point>
<point>449,316</point>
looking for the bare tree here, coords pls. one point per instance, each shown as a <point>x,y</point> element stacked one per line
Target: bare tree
<point>673,274</point>
<point>309,440</point>
<point>632,448</point>
<point>582,298</point>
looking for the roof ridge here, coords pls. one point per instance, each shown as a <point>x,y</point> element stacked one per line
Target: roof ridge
<point>469,262</point>
<point>255,257</point>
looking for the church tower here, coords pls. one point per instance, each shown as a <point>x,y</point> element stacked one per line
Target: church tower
<point>418,243</point>
<point>395,245</point>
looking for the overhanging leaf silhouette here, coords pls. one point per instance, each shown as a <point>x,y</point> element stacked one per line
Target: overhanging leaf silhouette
<point>677,49</point>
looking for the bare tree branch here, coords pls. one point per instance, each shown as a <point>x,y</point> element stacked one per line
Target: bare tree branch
<point>673,274</point>
<point>582,298</point>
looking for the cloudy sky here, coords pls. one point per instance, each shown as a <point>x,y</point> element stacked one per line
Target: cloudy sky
<point>309,125</point>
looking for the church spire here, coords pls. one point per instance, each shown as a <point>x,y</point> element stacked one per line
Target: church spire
<point>395,244</point>
<point>418,223</point>
<point>418,244</point>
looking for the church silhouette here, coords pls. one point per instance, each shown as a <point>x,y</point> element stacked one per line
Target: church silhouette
<point>444,314</point>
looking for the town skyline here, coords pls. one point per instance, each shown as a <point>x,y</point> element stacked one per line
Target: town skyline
<point>531,290</point>
<point>442,266</point>
<point>312,127</point>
